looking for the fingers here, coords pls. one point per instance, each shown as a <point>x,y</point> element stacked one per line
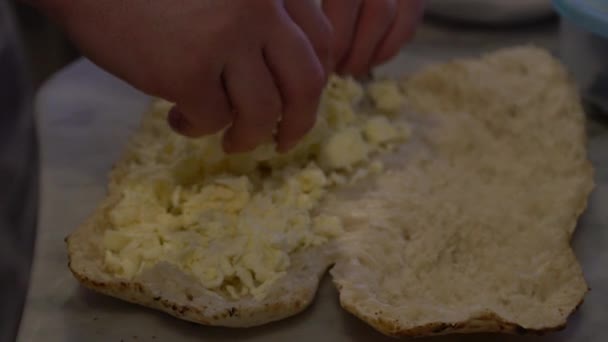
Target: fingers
<point>342,15</point>
<point>281,79</point>
<point>204,110</point>
<point>256,102</point>
<point>375,18</point>
<point>307,14</point>
<point>300,78</point>
<point>409,13</point>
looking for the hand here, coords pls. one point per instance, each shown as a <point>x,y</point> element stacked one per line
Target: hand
<point>242,64</point>
<point>370,32</point>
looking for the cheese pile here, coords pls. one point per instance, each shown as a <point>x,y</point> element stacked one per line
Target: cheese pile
<point>231,221</point>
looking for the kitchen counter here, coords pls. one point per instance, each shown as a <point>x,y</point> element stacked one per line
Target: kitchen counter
<point>85,117</point>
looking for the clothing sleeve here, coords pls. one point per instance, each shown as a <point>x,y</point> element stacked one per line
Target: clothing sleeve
<point>18,179</point>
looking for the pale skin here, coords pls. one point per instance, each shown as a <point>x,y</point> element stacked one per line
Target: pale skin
<point>253,67</point>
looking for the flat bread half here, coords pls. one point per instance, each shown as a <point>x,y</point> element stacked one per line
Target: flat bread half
<point>458,221</point>
<point>166,288</point>
<point>471,231</point>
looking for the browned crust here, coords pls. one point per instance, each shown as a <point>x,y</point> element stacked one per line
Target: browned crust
<point>138,293</point>
<point>488,322</point>
<point>134,291</point>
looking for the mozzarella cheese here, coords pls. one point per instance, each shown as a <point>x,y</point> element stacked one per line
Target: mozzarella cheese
<point>386,96</point>
<point>232,221</point>
<point>344,149</point>
<point>379,130</point>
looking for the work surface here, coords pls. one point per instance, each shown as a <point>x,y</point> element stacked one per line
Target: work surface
<point>85,119</point>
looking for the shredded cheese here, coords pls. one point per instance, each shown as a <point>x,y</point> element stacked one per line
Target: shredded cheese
<point>232,221</point>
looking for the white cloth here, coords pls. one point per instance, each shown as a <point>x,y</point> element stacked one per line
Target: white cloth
<point>18,179</point>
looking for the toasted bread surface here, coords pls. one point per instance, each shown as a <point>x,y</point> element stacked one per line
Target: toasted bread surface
<point>470,232</point>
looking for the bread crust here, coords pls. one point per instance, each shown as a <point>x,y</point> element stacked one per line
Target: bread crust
<point>487,323</point>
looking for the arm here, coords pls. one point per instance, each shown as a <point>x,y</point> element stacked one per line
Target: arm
<point>241,64</point>
<point>238,63</point>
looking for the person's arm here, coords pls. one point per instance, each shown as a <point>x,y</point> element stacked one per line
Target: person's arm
<point>257,66</point>
<point>240,62</point>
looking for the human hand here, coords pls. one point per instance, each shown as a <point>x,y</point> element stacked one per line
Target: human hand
<point>239,63</point>
<point>370,32</point>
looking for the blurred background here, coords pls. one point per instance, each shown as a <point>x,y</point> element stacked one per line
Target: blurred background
<point>46,46</point>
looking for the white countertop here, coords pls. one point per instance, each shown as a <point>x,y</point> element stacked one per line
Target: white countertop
<point>85,117</point>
